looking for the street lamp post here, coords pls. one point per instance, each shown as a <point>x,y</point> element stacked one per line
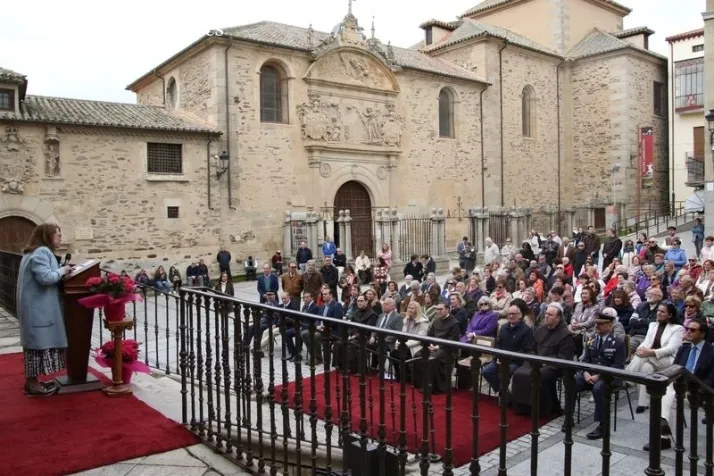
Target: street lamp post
<point>615,168</point>
<point>221,164</point>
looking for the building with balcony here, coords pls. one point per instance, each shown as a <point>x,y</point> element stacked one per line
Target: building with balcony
<point>686,103</point>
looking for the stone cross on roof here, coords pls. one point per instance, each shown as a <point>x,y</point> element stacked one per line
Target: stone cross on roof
<point>349,6</point>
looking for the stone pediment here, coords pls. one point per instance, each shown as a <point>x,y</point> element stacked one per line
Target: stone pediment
<point>352,67</point>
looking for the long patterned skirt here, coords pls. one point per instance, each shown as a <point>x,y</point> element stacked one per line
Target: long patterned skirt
<point>43,362</point>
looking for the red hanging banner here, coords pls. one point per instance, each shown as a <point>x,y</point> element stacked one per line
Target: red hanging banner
<point>647,152</point>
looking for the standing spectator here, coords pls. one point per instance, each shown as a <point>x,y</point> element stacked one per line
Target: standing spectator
<point>224,261</point>
<point>414,268</point>
<point>671,236</point>
<point>267,282</point>
<point>508,251</point>
<point>470,258</point>
<point>328,248</point>
<point>303,255</point>
<point>293,284</point>
<point>461,250</point>
<point>312,280</point>
<point>277,262</point>
<point>592,243</point>
<point>329,273</point>
<point>490,254</point>
<point>698,236</point>
<point>250,268</point>
<point>428,264</point>
<point>612,247</point>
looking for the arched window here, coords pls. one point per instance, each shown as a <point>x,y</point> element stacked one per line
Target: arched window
<point>446,113</point>
<point>528,111</point>
<point>172,93</point>
<point>273,95</point>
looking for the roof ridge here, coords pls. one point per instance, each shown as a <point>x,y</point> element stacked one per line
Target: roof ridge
<point>42,96</point>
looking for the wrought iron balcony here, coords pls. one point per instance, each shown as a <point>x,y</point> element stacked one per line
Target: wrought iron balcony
<point>695,171</point>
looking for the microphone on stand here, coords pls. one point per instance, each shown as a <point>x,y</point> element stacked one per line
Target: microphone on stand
<point>67,257</point>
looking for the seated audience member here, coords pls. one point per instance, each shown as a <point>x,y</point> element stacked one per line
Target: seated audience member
<point>161,280</point>
<point>192,275</point>
<point>363,314</point>
<point>696,355</point>
<point>330,308</point>
<point>309,307</point>
<point>390,320</point>
<point>583,318</point>
<point>483,323</point>
<point>363,265</point>
<point>501,300</point>
<point>142,278</point>
<point>441,360</point>
<point>457,310</point>
<point>552,339</point>
<point>175,278</point>
<point>416,295</point>
<point>266,320</point>
<point>644,315</point>
<point>608,351</point>
<point>415,322</point>
<point>514,336</point>
<point>657,351</point>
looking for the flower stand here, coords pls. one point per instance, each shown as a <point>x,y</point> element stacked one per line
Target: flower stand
<point>118,388</point>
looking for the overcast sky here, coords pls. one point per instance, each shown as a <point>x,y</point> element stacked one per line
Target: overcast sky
<point>93,50</point>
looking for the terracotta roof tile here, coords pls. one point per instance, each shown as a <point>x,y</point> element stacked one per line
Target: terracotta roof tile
<point>686,35</point>
<point>294,37</point>
<point>53,110</point>
<point>599,42</point>
<point>11,77</point>
<point>632,32</point>
<point>489,4</point>
<point>469,29</point>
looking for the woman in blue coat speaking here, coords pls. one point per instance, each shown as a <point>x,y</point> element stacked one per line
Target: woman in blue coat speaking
<point>39,306</point>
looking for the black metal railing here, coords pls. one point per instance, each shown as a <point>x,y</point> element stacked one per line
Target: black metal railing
<point>9,270</point>
<point>657,219</point>
<point>243,396</point>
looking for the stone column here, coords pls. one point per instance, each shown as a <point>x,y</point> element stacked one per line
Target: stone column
<point>311,233</point>
<point>482,217</point>
<point>591,216</point>
<point>528,221</point>
<point>395,235</point>
<point>522,227</point>
<point>434,234</point>
<point>341,228</point>
<point>380,227</point>
<point>569,220</point>
<point>287,234</point>
<point>438,244</point>
<point>347,248</point>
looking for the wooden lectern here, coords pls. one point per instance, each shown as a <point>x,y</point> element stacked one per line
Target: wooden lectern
<point>78,321</point>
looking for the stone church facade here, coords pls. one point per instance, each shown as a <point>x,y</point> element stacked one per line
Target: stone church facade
<point>490,110</point>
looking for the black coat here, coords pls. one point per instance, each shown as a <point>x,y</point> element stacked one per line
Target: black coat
<point>416,271</point>
<point>518,338</point>
<point>641,319</point>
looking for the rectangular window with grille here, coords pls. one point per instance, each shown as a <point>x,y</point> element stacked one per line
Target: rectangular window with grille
<point>689,84</point>
<point>172,212</point>
<point>7,99</point>
<point>697,48</point>
<point>164,158</point>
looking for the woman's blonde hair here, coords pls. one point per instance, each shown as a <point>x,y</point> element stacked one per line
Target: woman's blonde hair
<point>418,308</point>
<point>41,236</point>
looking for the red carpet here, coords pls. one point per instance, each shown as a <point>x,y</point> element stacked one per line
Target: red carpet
<point>461,422</point>
<point>64,434</point>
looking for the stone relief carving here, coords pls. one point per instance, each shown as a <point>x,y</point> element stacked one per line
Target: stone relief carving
<point>374,125</point>
<point>14,162</point>
<point>320,121</point>
<point>382,173</point>
<point>355,67</point>
<point>325,169</point>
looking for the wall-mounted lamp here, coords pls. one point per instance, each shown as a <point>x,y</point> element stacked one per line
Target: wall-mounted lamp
<point>221,163</point>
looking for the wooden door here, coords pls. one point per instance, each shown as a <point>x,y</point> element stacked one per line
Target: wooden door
<point>354,197</point>
<point>698,133</point>
<point>15,232</point>
<point>600,220</point>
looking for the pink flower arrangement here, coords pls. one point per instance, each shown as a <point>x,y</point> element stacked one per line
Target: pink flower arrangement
<point>129,356</point>
<point>112,284</point>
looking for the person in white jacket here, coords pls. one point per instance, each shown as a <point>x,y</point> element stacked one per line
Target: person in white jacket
<point>491,253</point>
<point>657,351</point>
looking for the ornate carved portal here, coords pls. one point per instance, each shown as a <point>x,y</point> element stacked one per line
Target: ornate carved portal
<point>353,196</point>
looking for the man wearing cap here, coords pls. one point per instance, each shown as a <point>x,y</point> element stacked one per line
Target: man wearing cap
<point>602,348</point>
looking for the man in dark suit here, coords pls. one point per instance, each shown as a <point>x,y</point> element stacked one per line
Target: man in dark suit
<point>602,349</point>
<point>390,320</point>
<point>309,307</point>
<point>267,282</point>
<point>697,356</point>
<point>330,308</point>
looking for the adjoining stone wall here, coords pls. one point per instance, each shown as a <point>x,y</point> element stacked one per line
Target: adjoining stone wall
<point>107,204</point>
<point>530,163</point>
<point>642,73</point>
<point>599,85</point>
<point>151,94</point>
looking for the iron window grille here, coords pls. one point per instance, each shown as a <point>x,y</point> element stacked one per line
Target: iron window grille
<point>164,158</point>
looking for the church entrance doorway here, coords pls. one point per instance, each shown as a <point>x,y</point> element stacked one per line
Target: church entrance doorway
<point>353,196</point>
<point>15,232</point>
